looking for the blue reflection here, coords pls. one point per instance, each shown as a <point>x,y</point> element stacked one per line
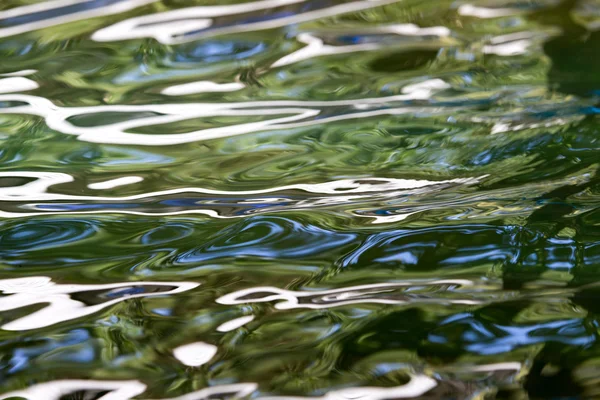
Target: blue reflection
<point>32,348</point>
<point>269,237</point>
<point>35,235</point>
<point>219,50</point>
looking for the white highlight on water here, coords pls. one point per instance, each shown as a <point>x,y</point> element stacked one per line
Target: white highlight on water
<point>165,28</point>
<point>59,306</point>
<point>170,27</point>
<point>17,84</point>
<point>116,8</point>
<point>119,390</point>
<point>235,323</point>
<point>289,299</point>
<point>124,390</point>
<point>315,46</point>
<point>417,386</point>
<point>195,354</point>
<point>508,49</point>
<point>497,367</point>
<point>113,183</point>
<point>286,115</point>
<point>24,72</point>
<point>37,189</point>
<point>328,193</point>
<point>202,87</point>
<point>469,10</point>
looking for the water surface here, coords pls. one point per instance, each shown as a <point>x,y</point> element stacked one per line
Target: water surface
<point>268,199</point>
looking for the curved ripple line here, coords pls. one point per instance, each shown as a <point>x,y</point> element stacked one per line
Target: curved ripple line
<point>345,191</point>
<point>37,190</point>
<point>315,46</point>
<point>24,72</point>
<point>126,390</point>
<point>38,187</point>
<point>235,323</point>
<point>162,27</point>
<point>122,390</point>
<point>119,390</point>
<point>17,84</point>
<point>235,390</point>
<point>61,306</point>
<point>417,386</point>
<point>56,117</point>
<point>289,299</point>
<point>123,6</point>
<point>167,26</point>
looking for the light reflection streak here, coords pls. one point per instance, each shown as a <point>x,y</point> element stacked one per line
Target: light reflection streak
<point>235,323</point>
<point>58,301</point>
<point>315,47</point>
<point>344,191</point>
<point>232,391</point>
<point>57,118</point>
<point>516,366</point>
<point>17,84</point>
<point>201,87</point>
<point>508,49</point>
<point>164,26</point>
<point>24,72</point>
<point>37,189</point>
<point>120,7</point>
<point>125,390</point>
<point>469,10</point>
<point>417,386</point>
<point>119,390</point>
<point>288,299</point>
<point>167,26</point>
<point>510,45</point>
<point>113,183</point>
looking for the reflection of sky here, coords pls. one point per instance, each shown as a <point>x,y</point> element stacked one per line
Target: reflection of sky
<point>37,235</point>
<point>57,12</point>
<point>192,203</point>
<point>135,157</point>
<point>84,207</point>
<point>271,15</point>
<point>219,50</point>
<point>508,338</point>
<point>21,356</point>
<point>271,237</point>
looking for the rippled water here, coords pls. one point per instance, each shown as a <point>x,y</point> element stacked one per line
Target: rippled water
<point>268,199</point>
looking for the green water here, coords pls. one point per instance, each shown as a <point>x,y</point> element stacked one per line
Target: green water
<point>365,199</point>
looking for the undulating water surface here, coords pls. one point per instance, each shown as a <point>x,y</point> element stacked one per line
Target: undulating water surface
<point>299,199</point>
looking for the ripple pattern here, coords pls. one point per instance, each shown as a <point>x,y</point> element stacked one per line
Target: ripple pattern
<point>299,199</point>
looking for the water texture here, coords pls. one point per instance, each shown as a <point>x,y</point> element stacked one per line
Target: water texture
<point>299,199</point>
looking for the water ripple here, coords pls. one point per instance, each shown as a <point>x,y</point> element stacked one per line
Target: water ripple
<point>380,198</point>
<point>384,293</point>
<point>68,302</point>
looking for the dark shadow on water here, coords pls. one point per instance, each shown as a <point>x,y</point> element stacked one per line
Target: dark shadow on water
<point>575,52</point>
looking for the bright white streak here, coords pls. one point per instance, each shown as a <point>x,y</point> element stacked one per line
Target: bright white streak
<point>201,87</point>
<point>235,323</point>
<point>113,183</point>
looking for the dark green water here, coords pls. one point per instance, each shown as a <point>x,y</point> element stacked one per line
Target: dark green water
<point>269,199</point>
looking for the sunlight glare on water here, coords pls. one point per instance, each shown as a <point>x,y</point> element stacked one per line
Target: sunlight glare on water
<point>299,199</point>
